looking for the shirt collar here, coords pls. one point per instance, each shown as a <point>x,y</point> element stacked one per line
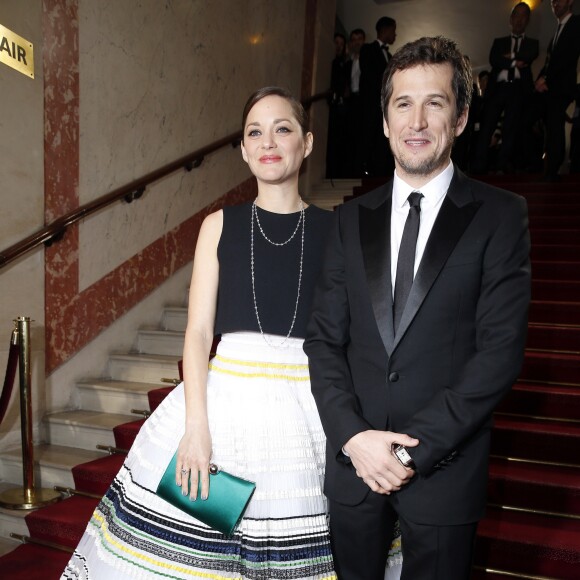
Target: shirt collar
<point>433,191</point>
<point>565,19</point>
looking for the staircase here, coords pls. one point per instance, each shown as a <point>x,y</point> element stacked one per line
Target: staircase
<point>71,460</point>
<point>532,526</point>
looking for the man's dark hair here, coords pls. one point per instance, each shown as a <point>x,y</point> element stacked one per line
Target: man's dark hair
<point>358,31</point>
<point>525,5</point>
<point>385,22</point>
<point>428,51</point>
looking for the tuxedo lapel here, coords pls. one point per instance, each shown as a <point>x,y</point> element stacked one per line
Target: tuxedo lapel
<point>455,215</point>
<point>375,238</point>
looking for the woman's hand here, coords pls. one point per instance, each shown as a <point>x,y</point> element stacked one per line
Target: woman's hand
<point>193,456</point>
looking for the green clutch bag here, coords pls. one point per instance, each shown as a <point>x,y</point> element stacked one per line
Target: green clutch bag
<point>228,498</point>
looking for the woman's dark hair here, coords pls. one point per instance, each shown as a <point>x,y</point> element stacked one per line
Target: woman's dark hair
<point>427,51</point>
<point>296,105</point>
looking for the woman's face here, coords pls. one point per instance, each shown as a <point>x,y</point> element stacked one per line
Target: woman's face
<point>274,145</point>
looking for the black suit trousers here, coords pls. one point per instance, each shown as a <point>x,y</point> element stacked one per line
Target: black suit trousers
<point>361,536</point>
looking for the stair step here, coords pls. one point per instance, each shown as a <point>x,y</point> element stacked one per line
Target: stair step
<point>53,464</point>
<point>555,290</point>
<point>556,270</point>
<point>555,236</point>
<point>85,428</point>
<point>533,486</point>
<point>95,476</point>
<point>559,221</point>
<point>109,396</point>
<point>551,367</point>
<point>554,337</point>
<point>148,368</point>
<point>62,523</point>
<point>11,521</point>
<point>529,544</point>
<point>156,397</point>
<point>125,434</point>
<point>174,318</point>
<point>33,562</point>
<point>539,400</point>
<point>554,312</point>
<point>7,545</point>
<point>549,208</point>
<point>536,440</point>
<point>161,341</point>
<point>545,252</point>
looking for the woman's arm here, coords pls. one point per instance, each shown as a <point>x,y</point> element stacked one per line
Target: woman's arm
<point>195,447</point>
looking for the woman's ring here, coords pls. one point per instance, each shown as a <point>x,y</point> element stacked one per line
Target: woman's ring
<point>184,471</point>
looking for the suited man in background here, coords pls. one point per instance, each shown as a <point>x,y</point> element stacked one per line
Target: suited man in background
<point>509,90</point>
<point>556,83</point>
<point>376,157</point>
<point>417,332</point>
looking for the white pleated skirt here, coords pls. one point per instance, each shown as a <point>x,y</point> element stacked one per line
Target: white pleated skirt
<point>265,428</point>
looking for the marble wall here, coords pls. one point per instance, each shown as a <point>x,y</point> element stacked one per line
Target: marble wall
<point>128,87</point>
<point>22,201</point>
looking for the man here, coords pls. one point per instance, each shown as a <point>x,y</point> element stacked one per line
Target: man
<point>556,83</point>
<point>373,61</point>
<point>426,371</point>
<point>509,91</point>
<point>355,111</point>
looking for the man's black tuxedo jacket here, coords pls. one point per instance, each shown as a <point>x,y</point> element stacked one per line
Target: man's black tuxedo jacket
<point>457,352</point>
<point>372,67</point>
<point>562,61</point>
<point>528,52</point>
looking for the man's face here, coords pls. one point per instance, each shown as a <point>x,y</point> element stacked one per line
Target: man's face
<point>421,121</point>
<point>338,45</point>
<point>390,35</point>
<point>561,7</point>
<point>519,20</point>
<point>356,42</point>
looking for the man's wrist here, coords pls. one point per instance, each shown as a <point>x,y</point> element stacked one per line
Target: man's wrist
<point>403,456</point>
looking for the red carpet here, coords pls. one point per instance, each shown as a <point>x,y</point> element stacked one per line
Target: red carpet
<point>30,562</point>
<point>125,434</point>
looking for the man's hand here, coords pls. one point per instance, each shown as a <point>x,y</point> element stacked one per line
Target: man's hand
<point>541,86</point>
<point>370,453</point>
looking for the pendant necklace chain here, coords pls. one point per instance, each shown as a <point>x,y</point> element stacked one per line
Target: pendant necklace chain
<point>301,220</point>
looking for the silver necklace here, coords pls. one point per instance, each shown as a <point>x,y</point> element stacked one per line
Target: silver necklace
<point>301,219</point>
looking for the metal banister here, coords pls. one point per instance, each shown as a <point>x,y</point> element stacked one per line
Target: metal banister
<point>54,231</point>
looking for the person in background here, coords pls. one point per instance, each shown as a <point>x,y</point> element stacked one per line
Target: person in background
<point>556,84</point>
<point>355,111</point>
<point>336,147</point>
<point>509,92</point>
<point>376,156</point>
<point>417,331</point>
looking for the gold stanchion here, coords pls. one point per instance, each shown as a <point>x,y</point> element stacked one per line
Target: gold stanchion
<point>27,497</point>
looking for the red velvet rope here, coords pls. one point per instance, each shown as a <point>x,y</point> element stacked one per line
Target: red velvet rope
<point>9,379</point>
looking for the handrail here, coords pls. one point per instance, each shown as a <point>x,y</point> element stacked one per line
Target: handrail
<point>55,231</point>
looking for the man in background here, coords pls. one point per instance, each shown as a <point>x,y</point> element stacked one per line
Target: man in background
<point>376,157</point>
<point>509,91</point>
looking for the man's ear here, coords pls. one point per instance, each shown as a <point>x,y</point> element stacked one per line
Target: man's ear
<point>461,122</point>
<point>308,143</point>
<point>385,127</point>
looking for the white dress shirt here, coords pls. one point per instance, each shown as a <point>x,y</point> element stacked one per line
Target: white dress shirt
<point>503,75</point>
<point>433,195</point>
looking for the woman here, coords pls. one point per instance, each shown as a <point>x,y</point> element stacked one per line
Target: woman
<point>252,414</point>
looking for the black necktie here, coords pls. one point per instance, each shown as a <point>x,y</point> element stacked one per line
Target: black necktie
<point>406,259</point>
<point>512,69</point>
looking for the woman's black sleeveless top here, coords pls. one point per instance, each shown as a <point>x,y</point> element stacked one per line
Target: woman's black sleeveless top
<point>276,270</point>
